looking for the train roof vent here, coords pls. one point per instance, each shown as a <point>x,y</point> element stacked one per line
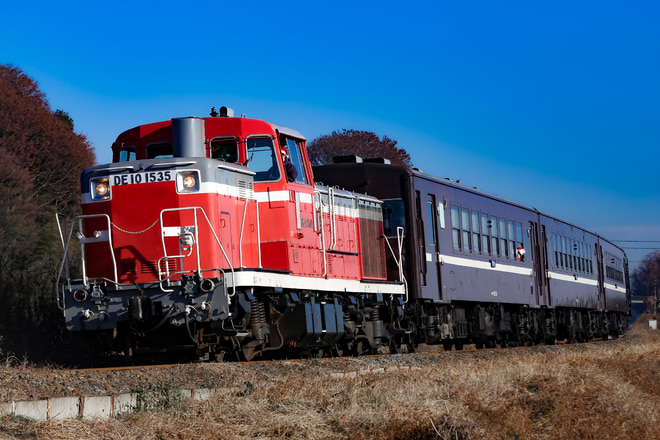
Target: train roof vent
<point>347,159</point>
<point>378,160</point>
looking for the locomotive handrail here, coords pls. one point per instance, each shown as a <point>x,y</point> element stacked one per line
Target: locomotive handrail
<point>321,230</point>
<point>398,261</point>
<point>83,240</point>
<point>65,262</point>
<point>331,213</point>
<point>240,238</point>
<point>199,269</point>
<point>170,164</point>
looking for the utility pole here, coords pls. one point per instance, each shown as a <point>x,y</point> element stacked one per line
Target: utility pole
<point>655,302</point>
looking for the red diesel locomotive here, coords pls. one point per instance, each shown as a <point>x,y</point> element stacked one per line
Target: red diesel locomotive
<point>209,234</point>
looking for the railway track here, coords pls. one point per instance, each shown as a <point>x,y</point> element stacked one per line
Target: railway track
<point>422,349</point>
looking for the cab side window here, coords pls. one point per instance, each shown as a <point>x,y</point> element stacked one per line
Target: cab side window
<point>297,159</point>
<point>262,159</point>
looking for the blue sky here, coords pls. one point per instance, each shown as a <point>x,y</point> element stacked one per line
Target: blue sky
<point>555,104</point>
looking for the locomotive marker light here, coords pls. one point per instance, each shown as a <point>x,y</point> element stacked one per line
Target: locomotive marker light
<point>80,295</point>
<point>207,285</point>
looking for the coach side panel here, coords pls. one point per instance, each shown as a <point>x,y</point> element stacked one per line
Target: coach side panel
<point>472,247</point>
<point>572,265</point>
<point>615,282</point>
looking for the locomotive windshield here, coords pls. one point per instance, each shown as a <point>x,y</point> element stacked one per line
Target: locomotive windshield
<point>262,159</point>
<point>161,149</point>
<point>394,215</point>
<point>127,153</point>
<point>225,149</point>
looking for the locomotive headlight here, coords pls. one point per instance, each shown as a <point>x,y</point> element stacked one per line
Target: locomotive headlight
<point>187,181</point>
<point>100,188</point>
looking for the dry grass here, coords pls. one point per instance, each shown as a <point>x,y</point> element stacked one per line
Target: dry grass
<point>596,391</point>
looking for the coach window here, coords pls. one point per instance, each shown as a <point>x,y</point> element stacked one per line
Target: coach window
<point>127,153</point>
<point>163,149</point>
<point>494,243</point>
<point>503,247</point>
<point>476,240</point>
<point>465,223</point>
<point>225,149</point>
<point>586,258</point>
<point>574,252</point>
<point>262,159</point>
<point>579,257</point>
<point>509,230</point>
<point>529,255</point>
<point>485,241</point>
<point>430,204</point>
<point>455,228</point>
<point>295,151</point>
<point>519,239</point>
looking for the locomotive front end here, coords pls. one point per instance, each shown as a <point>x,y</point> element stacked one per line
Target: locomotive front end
<point>157,237</point>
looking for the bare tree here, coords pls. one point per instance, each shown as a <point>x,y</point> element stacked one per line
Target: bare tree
<point>646,278</point>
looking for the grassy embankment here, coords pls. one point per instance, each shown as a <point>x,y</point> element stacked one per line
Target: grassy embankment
<point>592,391</point>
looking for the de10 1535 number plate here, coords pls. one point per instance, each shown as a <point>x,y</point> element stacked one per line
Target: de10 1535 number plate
<point>146,177</point>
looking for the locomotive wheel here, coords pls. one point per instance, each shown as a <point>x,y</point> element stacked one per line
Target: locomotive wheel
<point>247,352</point>
<point>340,350</point>
<point>395,345</point>
<point>361,346</point>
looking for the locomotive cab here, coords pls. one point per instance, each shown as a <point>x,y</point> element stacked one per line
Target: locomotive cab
<point>210,234</point>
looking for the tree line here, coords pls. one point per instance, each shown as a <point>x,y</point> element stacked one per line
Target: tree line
<point>40,163</point>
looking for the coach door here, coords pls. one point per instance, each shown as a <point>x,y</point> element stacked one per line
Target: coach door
<point>539,294</point>
<point>601,276</point>
<point>429,252</point>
